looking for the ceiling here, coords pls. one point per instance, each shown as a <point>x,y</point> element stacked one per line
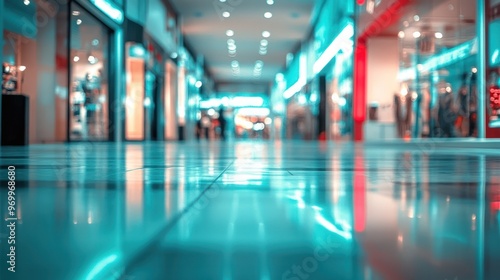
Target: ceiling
<point>204,28</point>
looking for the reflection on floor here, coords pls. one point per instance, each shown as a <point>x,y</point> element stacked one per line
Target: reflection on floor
<point>258,210</point>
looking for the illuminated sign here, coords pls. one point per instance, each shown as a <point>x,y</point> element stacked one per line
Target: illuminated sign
<point>109,9</point>
<point>444,59</point>
<point>342,41</point>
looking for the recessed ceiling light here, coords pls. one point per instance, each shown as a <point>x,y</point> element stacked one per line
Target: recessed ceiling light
<point>76,58</point>
<point>266,34</point>
<point>438,35</point>
<point>26,2</point>
<point>222,1</point>
<point>401,34</point>
<point>76,13</point>
<point>226,14</point>
<point>268,15</point>
<point>264,42</point>
<point>270,2</point>
<point>416,34</point>
<point>416,18</point>
<point>229,32</point>
<point>231,47</point>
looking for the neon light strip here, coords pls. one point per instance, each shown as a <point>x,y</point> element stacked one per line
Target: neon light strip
<point>101,266</point>
<point>109,9</point>
<point>337,44</point>
<point>441,60</point>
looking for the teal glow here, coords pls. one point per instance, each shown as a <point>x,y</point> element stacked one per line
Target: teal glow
<point>331,227</point>
<point>441,60</point>
<point>109,9</point>
<point>137,51</point>
<point>101,266</point>
<point>342,41</point>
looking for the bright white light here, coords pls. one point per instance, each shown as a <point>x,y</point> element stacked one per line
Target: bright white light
<point>401,34</point>
<point>22,68</point>
<point>147,102</point>
<point>268,15</point>
<point>342,102</point>
<point>416,34</point>
<point>235,63</point>
<point>438,35</point>
<point>259,63</point>
<point>474,70</point>
<point>76,58</point>
<point>266,34</point>
<point>264,42</point>
<point>229,33</point>
<point>26,2</point>
<point>268,121</point>
<point>226,14</point>
<point>231,41</point>
<point>280,77</point>
<point>231,47</point>
<point>222,1</point>
<point>198,84</point>
<point>241,101</point>
<point>92,59</point>
<point>259,126</point>
<point>264,112</point>
<point>78,21</point>
<point>270,2</point>
<point>416,18</point>
<point>76,13</point>
<point>302,99</point>
<point>211,112</point>
<point>332,50</point>
<point>174,55</point>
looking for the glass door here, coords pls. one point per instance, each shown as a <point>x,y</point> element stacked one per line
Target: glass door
<point>89,58</point>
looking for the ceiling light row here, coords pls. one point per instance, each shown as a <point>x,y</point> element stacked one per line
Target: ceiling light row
<point>231,47</point>
<point>263,47</point>
<point>257,70</point>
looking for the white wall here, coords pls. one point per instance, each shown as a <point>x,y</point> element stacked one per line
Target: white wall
<point>382,83</point>
<point>383,67</point>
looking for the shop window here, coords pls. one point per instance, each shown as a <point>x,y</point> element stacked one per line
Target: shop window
<point>89,43</point>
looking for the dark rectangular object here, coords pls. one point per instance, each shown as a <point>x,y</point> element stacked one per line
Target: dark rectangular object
<point>15,120</point>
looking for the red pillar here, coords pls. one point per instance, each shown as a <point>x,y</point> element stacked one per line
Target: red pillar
<point>359,98</point>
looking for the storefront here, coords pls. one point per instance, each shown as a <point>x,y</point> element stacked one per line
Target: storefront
<point>492,121</point>
<point>433,49</point>
<point>330,68</point>
<point>65,58</point>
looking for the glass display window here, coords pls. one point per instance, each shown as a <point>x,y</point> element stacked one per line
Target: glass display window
<point>89,48</point>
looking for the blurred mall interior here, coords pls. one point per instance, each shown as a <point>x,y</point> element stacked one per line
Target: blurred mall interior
<point>250,139</point>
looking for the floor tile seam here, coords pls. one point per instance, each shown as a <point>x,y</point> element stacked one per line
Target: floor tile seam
<point>174,221</point>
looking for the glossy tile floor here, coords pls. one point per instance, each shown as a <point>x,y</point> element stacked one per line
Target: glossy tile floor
<point>254,210</point>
